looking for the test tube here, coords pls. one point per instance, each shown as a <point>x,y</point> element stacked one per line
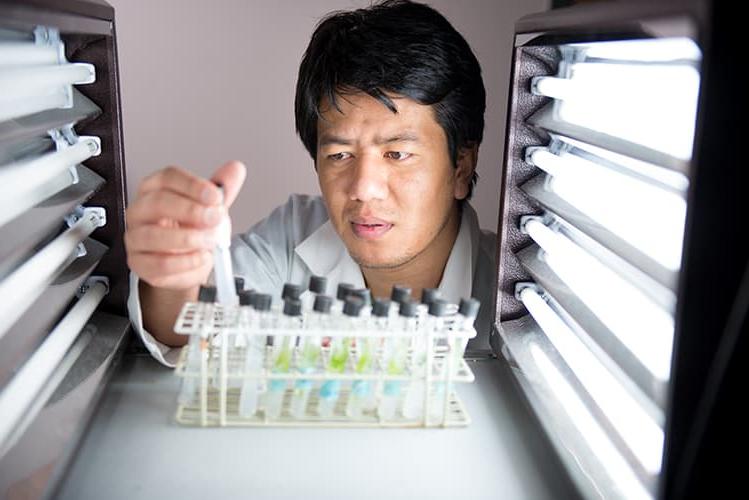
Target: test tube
<point>360,397</point>
<point>413,404</point>
<point>309,358</point>
<point>254,354</point>
<point>196,346</point>
<point>437,312</point>
<point>396,357</point>
<point>282,352</point>
<point>339,354</point>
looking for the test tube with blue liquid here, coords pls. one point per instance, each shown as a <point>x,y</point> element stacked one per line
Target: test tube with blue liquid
<point>362,391</point>
<point>288,324</point>
<point>309,353</point>
<point>339,353</point>
<point>396,358</point>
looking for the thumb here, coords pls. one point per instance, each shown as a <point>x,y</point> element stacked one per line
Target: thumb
<point>231,176</point>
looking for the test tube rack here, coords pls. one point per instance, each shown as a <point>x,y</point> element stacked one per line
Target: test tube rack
<point>212,368</point>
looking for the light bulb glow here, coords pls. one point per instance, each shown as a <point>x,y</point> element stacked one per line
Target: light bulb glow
<point>591,432</point>
<point>648,217</point>
<point>639,323</point>
<point>642,434</point>
<point>649,50</point>
<point>652,105</point>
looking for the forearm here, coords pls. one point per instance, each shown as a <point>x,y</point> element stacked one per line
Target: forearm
<point>160,308</point>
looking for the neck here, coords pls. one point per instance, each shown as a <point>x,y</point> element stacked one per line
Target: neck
<point>422,271</point>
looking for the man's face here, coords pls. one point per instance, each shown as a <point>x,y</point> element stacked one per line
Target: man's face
<point>387,180</point>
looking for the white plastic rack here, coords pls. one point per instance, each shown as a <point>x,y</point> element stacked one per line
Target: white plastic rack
<point>212,367</point>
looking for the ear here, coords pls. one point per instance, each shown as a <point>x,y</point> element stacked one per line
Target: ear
<point>465,166</point>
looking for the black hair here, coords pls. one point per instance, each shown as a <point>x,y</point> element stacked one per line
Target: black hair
<point>398,47</point>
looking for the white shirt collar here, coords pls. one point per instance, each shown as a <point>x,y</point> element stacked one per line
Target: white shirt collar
<point>325,254</point>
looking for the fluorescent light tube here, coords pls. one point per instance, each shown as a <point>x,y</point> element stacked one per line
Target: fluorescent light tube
<point>640,324</point>
<point>654,105</point>
<point>615,466</point>
<point>642,434</point>
<point>648,217</point>
<point>647,50</point>
<point>19,290</point>
<point>21,179</point>
<point>19,395</point>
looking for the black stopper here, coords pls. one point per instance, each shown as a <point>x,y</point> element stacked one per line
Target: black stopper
<point>469,308</point>
<point>291,291</point>
<point>438,307</point>
<point>400,294</point>
<point>381,308</point>
<point>408,309</point>
<point>429,295</point>
<point>292,307</point>
<point>322,303</point>
<point>262,302</point>
<point>352,306</point>
<point>238,283</point>
<point>318,284</point>
<point>247,297</point>
<point>364,294</point>
<point>344,289</point>
<point>207,294</point>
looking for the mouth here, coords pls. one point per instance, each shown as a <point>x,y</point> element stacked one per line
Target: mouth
<point>369,228</point>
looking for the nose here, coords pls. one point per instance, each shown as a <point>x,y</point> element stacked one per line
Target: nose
<point>369,179</point>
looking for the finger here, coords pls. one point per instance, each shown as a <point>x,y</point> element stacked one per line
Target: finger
<point>182,182</point>
<point>157,268</point>
<point>156,238</point>
<point>154,206</point>
<point>231,176</point>
<point>181,281</point>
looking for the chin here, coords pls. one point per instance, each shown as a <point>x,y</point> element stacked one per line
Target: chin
<point>373,260</point>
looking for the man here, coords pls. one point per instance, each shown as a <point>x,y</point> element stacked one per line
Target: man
<point>390,105</point>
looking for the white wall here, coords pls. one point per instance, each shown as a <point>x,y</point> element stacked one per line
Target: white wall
<point>207,81</point>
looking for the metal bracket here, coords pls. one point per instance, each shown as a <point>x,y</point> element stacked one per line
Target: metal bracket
<point>522,285</point>
<point>80,212</point>
<point>91,281</point>
<point>81,250</point>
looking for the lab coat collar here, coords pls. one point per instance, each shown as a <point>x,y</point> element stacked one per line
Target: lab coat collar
<point>325,254</point>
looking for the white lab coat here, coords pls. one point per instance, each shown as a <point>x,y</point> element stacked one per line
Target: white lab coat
<point>297,240</point>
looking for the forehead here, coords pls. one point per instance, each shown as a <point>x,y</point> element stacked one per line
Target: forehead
<point>360,115</point>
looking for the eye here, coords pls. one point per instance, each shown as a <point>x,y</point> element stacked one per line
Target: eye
<point>339,156</point>
<point>398,155</point>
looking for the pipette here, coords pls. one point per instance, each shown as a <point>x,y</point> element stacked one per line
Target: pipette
<point>226,292</point>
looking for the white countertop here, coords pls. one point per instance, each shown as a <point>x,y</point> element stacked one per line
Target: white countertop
<point>134,449</point>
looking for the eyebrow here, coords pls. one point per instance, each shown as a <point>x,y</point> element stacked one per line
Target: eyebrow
<point>327,139</point>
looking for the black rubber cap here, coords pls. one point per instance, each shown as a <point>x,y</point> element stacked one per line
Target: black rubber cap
<point>323,303</point>
<point>344,289</point>
<point>318,284</point>
<point>292,307</point>
<point>381,308</point>
<point>429,295</point>
<point>353,306</point>
<point>238,283</point>
<point>291,291</point>
<point>364,294</point>
<point>469,308</point>
<point>438,307</point>
<point>408,309</point>
<point>247,297</point>
<point>400,294</point>
<point>207,293</point>
<point>262,302</point>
